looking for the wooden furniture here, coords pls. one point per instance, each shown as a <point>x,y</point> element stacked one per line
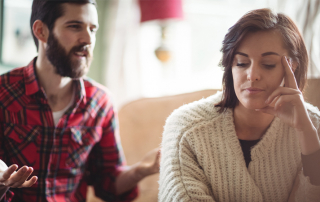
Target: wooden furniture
<point>312,92</point>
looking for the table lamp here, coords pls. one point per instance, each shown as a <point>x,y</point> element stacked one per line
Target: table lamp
<point>164,11</point>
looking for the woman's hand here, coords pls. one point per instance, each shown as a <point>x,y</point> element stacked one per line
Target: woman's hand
<point>288,105</point>
<point>288,101</point>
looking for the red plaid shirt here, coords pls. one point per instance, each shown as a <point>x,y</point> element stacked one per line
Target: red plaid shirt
<point>83,149</point>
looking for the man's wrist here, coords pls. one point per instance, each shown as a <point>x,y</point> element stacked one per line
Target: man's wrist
<point>4,189</point>
<point>139,172</point>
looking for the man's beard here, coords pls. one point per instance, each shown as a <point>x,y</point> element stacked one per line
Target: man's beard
<point>62,61</point>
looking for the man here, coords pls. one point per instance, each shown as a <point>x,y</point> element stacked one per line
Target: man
<point>57,126</point>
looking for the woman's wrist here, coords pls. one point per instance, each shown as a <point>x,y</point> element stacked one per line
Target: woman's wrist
<point>309,140</point>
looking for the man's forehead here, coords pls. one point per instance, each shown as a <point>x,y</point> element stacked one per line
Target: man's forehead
<point>86,13</point>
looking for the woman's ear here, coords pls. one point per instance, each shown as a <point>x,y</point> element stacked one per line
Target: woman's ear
<point>40,31</point>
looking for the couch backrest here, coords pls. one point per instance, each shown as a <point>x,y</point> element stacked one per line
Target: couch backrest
<point>141,125</point>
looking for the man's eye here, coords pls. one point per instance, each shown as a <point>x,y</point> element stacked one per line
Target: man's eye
<point>74,26</point>
<point>242,64</point>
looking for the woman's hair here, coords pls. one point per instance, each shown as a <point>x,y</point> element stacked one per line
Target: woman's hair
<point>261,20</point>
<point>48,11</point>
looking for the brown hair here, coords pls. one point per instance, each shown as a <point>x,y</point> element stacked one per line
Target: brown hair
<point>261,20</point>
<point>48,11</point>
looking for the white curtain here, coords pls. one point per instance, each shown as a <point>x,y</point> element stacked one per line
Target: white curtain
<point>121,72</point>
<point>306,13</point>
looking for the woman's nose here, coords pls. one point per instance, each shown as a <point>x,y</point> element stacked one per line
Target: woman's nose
<point>253,73</point>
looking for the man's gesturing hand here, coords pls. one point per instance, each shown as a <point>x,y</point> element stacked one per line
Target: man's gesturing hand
<point>9,177</point>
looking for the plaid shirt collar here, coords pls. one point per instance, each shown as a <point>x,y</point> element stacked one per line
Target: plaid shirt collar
<point>32,85</point>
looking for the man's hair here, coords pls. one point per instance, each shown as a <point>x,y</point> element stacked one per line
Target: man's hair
<point>48,11</point>
<point>261,20</point>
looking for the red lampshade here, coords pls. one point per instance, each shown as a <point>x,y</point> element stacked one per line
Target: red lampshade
<point>160,9</point>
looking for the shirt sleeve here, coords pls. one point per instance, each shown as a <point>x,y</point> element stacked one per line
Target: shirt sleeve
<point>311,167</point>
<point>106,162</point>
<point>9,194</point>
<point>7,197</point>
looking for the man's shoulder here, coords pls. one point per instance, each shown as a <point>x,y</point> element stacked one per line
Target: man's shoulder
<point>12,76</point>
<point>96,89</point>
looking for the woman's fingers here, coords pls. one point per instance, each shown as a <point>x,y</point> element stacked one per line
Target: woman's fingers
<point>282,91</point>
<point>268,110</point>
<point>290,80</point>
<point>283,102</point>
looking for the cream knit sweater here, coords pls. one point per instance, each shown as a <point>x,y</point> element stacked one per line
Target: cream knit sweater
<point>202,159</point>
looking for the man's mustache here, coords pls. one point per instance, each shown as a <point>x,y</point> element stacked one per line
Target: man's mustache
<point>81,48</point>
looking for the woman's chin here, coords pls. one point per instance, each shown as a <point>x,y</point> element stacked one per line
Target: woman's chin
<point>255,105</point>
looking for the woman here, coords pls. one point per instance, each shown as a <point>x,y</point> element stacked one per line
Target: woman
<point>250,142</point>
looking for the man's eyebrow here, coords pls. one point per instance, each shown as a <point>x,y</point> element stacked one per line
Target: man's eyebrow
<point>269,53</point>
<point>239,53</point>
<point>80,22</point>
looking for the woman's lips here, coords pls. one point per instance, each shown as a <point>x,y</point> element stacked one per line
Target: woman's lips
<point>253,90</point>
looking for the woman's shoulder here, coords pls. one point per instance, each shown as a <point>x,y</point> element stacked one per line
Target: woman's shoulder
<point>193,113</point>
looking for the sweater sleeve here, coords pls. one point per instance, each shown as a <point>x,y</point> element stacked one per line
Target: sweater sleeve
<point>303,189</point>
<point>181,177</point>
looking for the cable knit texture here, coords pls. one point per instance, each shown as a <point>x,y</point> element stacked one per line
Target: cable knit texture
<point>202,159</point>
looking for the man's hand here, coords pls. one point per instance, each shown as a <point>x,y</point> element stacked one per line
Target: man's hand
<point>9,177</point>
<point>150,164</point>
<point>129,178</point>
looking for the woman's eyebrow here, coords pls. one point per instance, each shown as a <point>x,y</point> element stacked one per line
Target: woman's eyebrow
<point>239,53</point>
<point>269,53</point>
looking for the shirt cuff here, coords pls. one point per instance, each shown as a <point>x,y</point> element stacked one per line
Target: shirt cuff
<point>7,196</point>
<point>311,167</point>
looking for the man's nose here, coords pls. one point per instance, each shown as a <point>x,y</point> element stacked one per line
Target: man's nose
<point>86,37</point>
<point>253,73</point>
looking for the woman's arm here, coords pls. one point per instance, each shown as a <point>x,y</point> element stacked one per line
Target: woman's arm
<point>290,108</point>
<point>181,177</point>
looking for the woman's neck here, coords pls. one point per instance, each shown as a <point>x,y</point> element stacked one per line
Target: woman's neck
<point>250,124</point>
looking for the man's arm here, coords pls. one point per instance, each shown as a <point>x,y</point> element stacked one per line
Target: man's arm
<point>10,178</point>
<point>129,178</point>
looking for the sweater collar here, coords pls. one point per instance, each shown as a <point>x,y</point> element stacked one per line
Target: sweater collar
<point>262,148</point>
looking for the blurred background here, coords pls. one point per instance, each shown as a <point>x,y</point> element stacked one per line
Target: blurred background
<point>156,55</point>
<point>154,48</point>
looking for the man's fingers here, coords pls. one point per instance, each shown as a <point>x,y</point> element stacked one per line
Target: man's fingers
<point>290,80</point>
<point>23,178</point>
<point>30,182</point>
<point>16,177</point>
<point>7,173</point>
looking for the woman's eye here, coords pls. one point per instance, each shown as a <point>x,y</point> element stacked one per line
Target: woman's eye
<point>269,66</point>
<point>242,64</point>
